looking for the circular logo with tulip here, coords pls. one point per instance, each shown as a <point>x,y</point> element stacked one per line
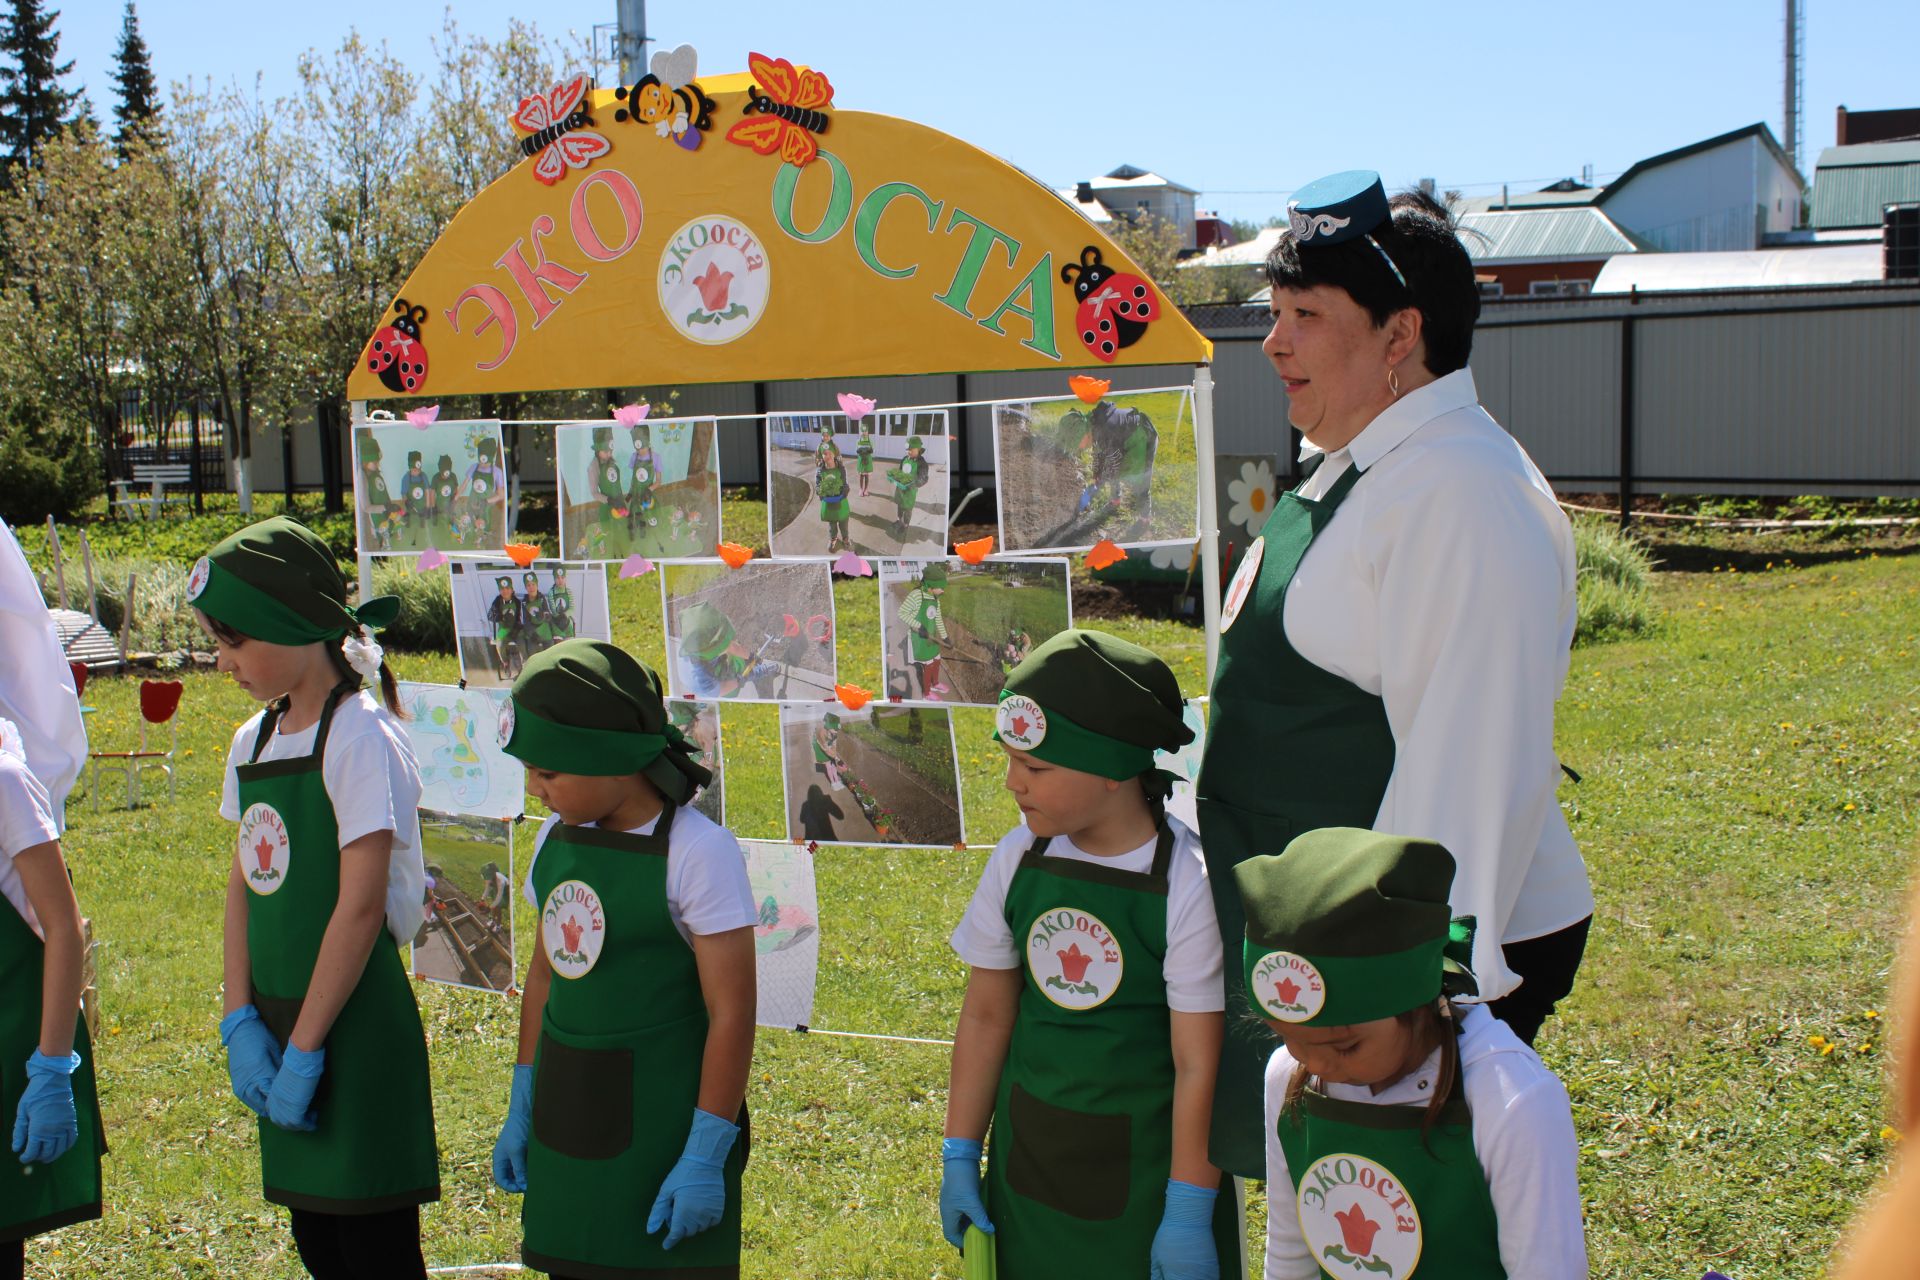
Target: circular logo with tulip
<point>197,580</point>
<point>713,279</point>
<point>1357,1218</point>
<point>573,928</point>
<point>1074,958</point>
<point>506,722</point>
<point>1020,722</point>
<point>1242,585</point>
<point>1287,987</point>
<point>264,848</point>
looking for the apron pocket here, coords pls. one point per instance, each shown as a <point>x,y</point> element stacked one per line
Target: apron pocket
<point>1076,1162</point>
<point>583,1100</point>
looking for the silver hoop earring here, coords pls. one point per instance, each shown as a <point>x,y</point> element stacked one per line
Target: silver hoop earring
<point>1393,381</point>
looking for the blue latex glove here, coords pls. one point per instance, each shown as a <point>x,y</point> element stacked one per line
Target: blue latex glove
<point>510,1148</point>
<point>1183,1247</point>
<point>290,1101</point>
<point>960,1201</point>
<point>695,1193</point>
<point>46,1126</point>
<point>253,1057</point>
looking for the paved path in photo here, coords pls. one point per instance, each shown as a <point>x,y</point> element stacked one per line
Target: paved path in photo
<point>872,522</point>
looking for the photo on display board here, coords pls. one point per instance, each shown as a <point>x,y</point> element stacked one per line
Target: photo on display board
<point>786,933</point>
<point>466,914</point>
<point>699,723</point>
<point>881,775</point>
<point>877,487</point>
<point>652,488</point>
<point>503,614</point>
<point>442,486</point>
<point>1184,764</point>
<point>1071,474</point>
<point>762,632</point>
<point>464,765</point>
<point>952,630</point>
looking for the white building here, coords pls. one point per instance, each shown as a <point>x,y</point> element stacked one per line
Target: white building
<point>1726,193</point>
<point>1128,193</point>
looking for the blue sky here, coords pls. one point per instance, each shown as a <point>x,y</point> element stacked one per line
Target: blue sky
<point>1243,101</point>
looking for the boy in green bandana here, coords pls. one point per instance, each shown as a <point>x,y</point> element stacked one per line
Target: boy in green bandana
<point>636,1028</point>
<point>1093,1015</point>
<point>414,496</point>
<point>908,477</point>
<point>1403,1126</point>
<point>926,629</point>
<point>440,494</point>
<point>503,615</point>
<point>646,473</point>
<point>836,504</point>
<point>560,619</point>
<point>717,662</point>
<point>378,500</point>
<point>536,614</point>
<point>323,1038</point>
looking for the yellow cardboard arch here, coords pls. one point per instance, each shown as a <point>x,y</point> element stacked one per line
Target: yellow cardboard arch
<point>898,250</point>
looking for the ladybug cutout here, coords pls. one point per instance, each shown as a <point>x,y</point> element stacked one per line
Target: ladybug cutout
<point>1115,306</point>
<point>396,352</point>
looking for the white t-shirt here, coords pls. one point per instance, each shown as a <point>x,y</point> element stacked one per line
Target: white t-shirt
<point>373,782</point>
<point>1192,966</point>
<point>707,887</point>
<point>1522,1134</point>
<point>1445,587</point>
<point>27,820</point>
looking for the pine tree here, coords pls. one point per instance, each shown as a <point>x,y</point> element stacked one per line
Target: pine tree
<point>33,105</point>
<point>137,112</point>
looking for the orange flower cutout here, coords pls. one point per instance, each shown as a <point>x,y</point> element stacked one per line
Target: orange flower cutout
<point>1105,553</point>
<point>734,554</point>
<point>852,696</point>
<point>1089,389</point>
<point>976,551</point>
<point>522,554</point>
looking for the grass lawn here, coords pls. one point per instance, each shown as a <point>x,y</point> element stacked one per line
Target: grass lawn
<point>1748,812</point>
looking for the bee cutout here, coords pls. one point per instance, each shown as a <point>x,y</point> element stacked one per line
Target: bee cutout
<point>1115,306</point>
<point>668,99</point>
<point>396,352</point>
<point>556,124</point>
<point>784,110</point>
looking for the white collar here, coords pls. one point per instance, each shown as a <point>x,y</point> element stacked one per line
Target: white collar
<point>1406,415</point>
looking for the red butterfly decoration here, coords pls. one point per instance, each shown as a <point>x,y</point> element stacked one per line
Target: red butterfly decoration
<point>556,123</point>
<point>787,102</point>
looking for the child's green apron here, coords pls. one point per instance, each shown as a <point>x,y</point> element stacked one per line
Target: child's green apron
<point>37,1198</point>
<point>1377,1197</point>
<point>374,1149</point>
<point>617,1072</point>
<point>1083,1124</point>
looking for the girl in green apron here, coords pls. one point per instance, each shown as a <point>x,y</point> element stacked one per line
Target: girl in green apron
<point>625,1123</point>
<point>863,451</point>
<point>926,629</point>
<point>908,476</point>
<point>47,1102</point>
<point>323,1037</point>
<point>446,484</point>
<point>645,471</point>
<point>1092,1024</point>
<point>836,504</point>
<point>1403,1130</point>
<point>378,500</point>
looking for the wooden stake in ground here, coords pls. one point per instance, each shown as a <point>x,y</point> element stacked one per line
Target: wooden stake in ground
<point>86,559</point>
<point>59,571</point>
<point>126,615</point>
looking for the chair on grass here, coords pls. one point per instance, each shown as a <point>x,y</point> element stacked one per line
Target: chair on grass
<point>159,705</point>
<point>79,670</point>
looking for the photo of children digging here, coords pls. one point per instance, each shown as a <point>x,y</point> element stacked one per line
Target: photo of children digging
<point>882,775</point>
<point>951,630</point>
<point>762,632</point>
<point>1071,474</point>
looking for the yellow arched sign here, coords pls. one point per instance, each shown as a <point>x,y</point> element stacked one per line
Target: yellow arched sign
<point>635,247</point>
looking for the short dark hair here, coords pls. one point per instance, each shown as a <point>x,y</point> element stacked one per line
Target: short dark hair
<point>1424,243</point>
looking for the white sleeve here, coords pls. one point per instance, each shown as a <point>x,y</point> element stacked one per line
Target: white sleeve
<point>1288,1257</point>
<point>1194,951</point>
<point>36,692</point>
<point>27,819</point>
<point>1531,1160</point>
<point>366,784</point>
<point>982,938</point>
<point>539,839</point>
<point>236,756</point>
<point>707,886</point>
<point>1472,660</point>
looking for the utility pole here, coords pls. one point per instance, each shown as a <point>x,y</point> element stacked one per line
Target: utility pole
<point>632,39</point>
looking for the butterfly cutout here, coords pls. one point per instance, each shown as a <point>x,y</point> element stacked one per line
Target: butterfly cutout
<point>783,110</point>
<point>556,126</point>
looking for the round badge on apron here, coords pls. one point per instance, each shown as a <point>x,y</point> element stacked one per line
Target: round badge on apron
<point>613,475</point>
<point>1074,958</point>
<point>642,476</point>
<point>573,928</point>
<point>445,491</point>
<point>1356,1216</point>
<point>264,847</point>
<point>479,485</point>
<point>419,492</point>
<point>1242,585</point>
<point>197,580</point>
<point>506,722</point>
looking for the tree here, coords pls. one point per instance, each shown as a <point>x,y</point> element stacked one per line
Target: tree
<point>33,106</point>
<point>137,113</point>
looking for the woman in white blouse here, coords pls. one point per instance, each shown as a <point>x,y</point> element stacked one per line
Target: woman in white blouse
<point>1393,645</point>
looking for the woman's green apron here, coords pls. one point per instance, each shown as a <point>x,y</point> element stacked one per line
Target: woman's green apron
<point>37,1198</point>
<point>1083,1123</point>
<point>374,1148</point>
<point>1378,1194</point>
<point>617,1072</point>
<point>1291,747</point>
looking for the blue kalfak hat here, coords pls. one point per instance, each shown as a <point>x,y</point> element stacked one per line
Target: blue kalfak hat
<point>1342,207</point>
